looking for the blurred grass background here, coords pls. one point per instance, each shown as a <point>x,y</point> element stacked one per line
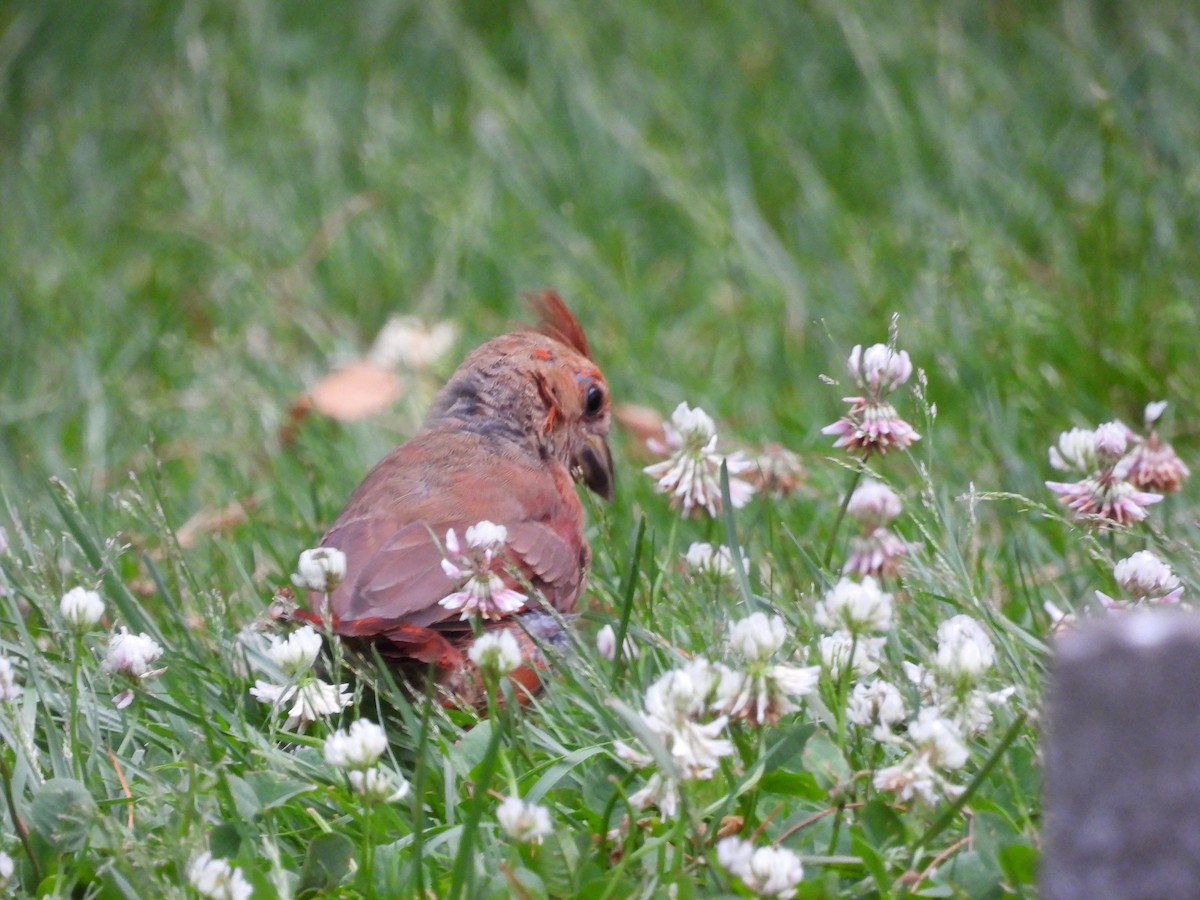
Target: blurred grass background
<point>206,205</point>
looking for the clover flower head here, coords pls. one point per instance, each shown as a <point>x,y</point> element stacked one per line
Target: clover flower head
<point>875,554</point>
<point>939,737</point>
<point>871,425</point>
<point>880,369</point>
<point>480,569</point>
<point>320,569</point>
<point>758,636</point>
<point>767,871</point>
<point>1111,439</point>
<point>1152,465</point>
<point>842,650</point>
<point>312,699</point>
<point>81,609</point>
<point>132,654</point>
<point>1147,579</point>
<point>965,652</point>
<point>408,342</point>
<point>606,644</point>
<point>856,607</point>
<point>691,475</point>
<point>1104,498</point>
<point>876,704</point>
<point>376,785</point>
<point>1075,451</point>
<point>678,708</point>
<point>216,879</point>
<point>658,791</point>
<point>777,472</point>
<point>873,504</point>
<point>524,822</point>
<point>296,653</point>
<point>358,747</point>
<point>762,693</point>
<point>496,651</point>
<point>716,562</point>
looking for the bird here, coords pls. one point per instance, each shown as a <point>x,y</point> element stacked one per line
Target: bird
<point>491,474</point>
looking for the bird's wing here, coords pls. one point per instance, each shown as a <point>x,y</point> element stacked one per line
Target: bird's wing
<point>392,533</point>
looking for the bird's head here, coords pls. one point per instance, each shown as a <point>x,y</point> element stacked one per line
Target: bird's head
<point>539,388</point>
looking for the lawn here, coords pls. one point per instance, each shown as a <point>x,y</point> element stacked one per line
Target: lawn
<point>207,207</point>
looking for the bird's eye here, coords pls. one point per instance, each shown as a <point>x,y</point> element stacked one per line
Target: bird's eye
<point>593,401</point>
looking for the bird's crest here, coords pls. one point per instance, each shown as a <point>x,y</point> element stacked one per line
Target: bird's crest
<point>558,322</point>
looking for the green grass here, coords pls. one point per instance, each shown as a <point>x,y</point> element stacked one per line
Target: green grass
<point>205,206</point>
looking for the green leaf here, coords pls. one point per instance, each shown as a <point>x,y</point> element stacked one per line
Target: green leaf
<point>326,863</point>
<point>1019,863</point>
<point>62,812</point>
<point>792,784</point>
<point>225,840</point>
<point>823,758</point>
<point>881,825</point>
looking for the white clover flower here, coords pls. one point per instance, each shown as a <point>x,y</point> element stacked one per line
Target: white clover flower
<point>295,654</point>
<point>313,699</point>
<point>1111,439</point>
<point>216,879</point>
<point>606,644</point>
<point>965,652</point>
<point>1075,451</point>
<point>715,562</point>
<point>377,785</point>
<point>876,704</point>
<point>879,369</point>
<point>133,654</point>
<point>525,822</point>
<point>675,707</point>
<point>763,694</point>
<point>1105,496</point>
<point>842,649</point>
<point>1148,578</point>
<point>939,737</point>
<point>692,474</point>
<point>856,607</point>
<point>873,503</point>
<point>357,748</point>
<point>408,342</point>
<point>7,868</point>
<point>496,651</point>
<point>767,871</point>
<point>757,637</point>
<point>872,423</point>
<point>81,609</point>
<point>875,554</point>
<point>479,569</point>
<point>913,778</point>
<point>321,569</point>
<point>659,791</point>
<point>9,689</point>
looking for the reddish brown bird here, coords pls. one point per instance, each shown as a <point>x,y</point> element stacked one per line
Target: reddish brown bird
<point>525,417</point>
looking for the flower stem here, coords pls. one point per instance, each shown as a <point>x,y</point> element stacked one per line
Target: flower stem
<point>837,523</point>
<point>19,825</point>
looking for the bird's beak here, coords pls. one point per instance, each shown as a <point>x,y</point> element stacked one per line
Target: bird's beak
<point>596,465</point>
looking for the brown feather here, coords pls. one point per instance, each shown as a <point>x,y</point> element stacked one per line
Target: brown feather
<point>558,322</point>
